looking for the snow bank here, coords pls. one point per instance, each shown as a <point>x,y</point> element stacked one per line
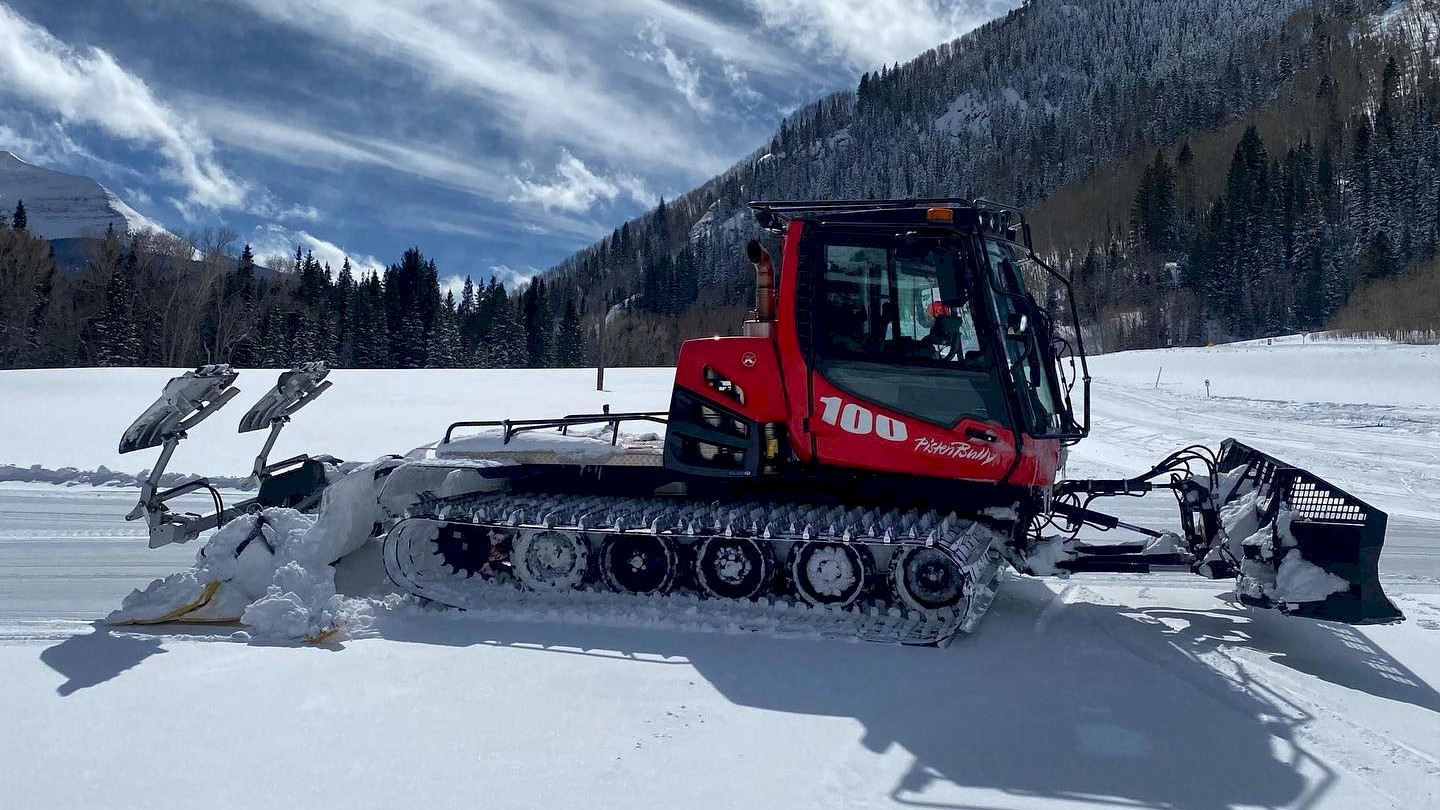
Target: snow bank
<point>105,477</point>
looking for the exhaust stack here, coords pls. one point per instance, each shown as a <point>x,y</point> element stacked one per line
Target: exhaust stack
<point>764,280</point>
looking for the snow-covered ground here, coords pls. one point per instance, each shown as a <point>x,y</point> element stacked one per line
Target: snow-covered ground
<point>1110,690</point>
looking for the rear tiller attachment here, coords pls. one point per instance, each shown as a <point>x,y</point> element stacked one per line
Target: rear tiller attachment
<point>187,401</point>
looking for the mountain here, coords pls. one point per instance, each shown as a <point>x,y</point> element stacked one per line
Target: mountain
<point>1119,123</point>
<point>64,206</point>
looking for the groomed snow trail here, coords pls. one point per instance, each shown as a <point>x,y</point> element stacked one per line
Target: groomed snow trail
<point>1096,691</point>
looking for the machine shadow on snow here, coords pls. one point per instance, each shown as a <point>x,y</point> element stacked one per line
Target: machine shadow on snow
<point>1030,706</point>
<point>94,658</point>
<point>1335,653</point>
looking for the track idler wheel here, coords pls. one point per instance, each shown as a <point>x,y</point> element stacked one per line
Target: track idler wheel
<point>639,563</point>
<point>734,567</point>
<point>550,559</point>
<point>926,578</point>
<point>830,573</point>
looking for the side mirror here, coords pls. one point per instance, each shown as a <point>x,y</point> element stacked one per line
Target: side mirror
<point>1019,324</point>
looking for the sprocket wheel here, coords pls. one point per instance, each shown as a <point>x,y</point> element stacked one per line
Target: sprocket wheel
<point>831,574</point>
<point>734,567</point>
<point>639,563</point>
<point>927,578</point>
<point>550,559</point>
<point>466,549</point>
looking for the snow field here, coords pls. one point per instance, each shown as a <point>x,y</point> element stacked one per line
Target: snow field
<point>1098,690</point>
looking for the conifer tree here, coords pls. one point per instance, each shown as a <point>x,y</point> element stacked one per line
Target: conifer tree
<point>117,336</point>
<point>20,220</point>
<point>505,338</point>
<point>537,324</point>
<point>570,348</point>
<point>443,350</point>
<point>344,315</point>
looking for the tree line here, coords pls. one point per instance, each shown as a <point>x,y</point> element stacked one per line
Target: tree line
<point>153,299</point>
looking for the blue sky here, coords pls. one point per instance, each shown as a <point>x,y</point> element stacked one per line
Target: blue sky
<point>498,135</point>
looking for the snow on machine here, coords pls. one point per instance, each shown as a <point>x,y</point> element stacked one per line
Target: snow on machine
<point>886,436</point>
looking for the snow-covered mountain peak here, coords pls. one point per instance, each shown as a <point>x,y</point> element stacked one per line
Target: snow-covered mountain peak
<point>64,206</point>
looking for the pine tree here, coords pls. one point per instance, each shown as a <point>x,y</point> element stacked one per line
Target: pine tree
<point>21,220</point>
<point>408,342</point>
<point>270,342</point>
<point>570,348</point>
<point>117,336</point>
<point>372,331</point>
<point>505,339</point>
<point>1377,260</point>
<point>412,298</point>
<point>443,350</point>
<point>344,310</point>
<point>1152,214</point>
<point>467,320</point>
<point>537,323</point>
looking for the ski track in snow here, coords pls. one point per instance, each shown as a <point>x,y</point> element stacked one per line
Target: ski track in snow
<point>1097,690</point>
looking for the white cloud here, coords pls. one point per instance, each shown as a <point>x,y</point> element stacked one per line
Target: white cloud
<point>268,207</point>
<point>514,277</point>
<point>543,82</point>
<point>89,87</point>
<point>739,82</point>
<point>453,285</point>
<point>42,144</point>
<point>866,34</point>
<point>291,140</point>
<point>575,187</point>
<point>274,246</point>
<point>135,196</point>
<point>509,276</point>
<point>682,72</point>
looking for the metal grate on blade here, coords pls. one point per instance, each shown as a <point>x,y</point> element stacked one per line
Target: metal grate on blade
<point>1314,500</point>
<point>1311,498</point>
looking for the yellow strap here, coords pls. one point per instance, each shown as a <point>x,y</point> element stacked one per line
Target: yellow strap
<point>321,638</point>
<point>205,596</point>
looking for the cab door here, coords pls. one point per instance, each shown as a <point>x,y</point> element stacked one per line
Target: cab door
<point>900,379</point>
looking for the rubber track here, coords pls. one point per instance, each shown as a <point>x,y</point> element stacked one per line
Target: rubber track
<point>413,562</point>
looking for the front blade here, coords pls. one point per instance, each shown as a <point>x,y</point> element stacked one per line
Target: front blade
<point>1315,549</point>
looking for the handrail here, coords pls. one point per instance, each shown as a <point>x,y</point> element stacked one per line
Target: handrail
<point>564,423</point>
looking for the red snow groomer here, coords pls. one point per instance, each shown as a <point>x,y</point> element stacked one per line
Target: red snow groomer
<point>884,438</point>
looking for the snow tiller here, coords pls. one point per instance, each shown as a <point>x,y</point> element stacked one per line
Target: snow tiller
<point>885,436</point>
<point>189,399</point>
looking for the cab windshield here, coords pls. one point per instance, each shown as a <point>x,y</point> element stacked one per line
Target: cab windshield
<point>1039,392</point>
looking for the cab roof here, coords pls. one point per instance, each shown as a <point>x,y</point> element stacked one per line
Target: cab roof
<point>990,218</point>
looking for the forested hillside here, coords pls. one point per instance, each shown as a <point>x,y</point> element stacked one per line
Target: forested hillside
<point>1204,169</point>
<point>1207,169</point>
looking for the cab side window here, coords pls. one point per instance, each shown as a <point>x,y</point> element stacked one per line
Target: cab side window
<point>889,308</point>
